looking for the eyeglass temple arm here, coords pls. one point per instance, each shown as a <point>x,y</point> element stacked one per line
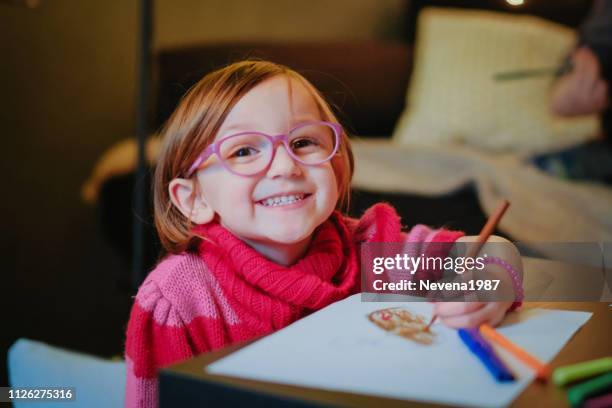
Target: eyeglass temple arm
<point>201,159</point>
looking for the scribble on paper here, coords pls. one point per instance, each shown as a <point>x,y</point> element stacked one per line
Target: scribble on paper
<point>402,322</point>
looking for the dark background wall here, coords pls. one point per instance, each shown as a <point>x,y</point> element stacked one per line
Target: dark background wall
<point>67,92</point>
<point>67,84</point>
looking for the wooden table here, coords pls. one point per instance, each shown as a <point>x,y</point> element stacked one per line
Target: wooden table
<point>187,384</point>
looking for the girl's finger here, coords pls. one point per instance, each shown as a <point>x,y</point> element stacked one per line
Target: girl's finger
<point>485,314</point>
<point>497,317</point>
<point>449,309</point>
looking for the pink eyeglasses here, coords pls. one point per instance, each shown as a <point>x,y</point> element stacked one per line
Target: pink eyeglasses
<point>249,153</point>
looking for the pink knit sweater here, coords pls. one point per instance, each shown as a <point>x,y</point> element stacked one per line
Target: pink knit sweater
<point>227,292</point>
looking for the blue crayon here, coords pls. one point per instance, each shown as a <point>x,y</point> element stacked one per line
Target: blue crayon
<point>483,350</point>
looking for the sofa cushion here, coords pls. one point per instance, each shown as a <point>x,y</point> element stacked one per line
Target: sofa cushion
<point>455,98</point>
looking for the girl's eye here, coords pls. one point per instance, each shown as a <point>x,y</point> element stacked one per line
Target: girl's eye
<point>243,152</point>
<point>303,142</point>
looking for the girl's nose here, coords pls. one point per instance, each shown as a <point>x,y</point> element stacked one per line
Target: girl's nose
<point>283,165</point>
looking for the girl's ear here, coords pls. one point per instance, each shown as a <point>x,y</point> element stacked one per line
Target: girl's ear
<point>186,199</point>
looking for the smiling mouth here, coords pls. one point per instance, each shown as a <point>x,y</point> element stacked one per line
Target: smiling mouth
<point>281,200</point>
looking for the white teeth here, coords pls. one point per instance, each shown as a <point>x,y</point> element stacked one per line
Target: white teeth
<point>281,200</point>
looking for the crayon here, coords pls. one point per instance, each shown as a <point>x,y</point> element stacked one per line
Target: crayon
<point>603,401</point>
<point>574,372</point>
<point>542,370</point>
<point>591,388</point>
<point>483,350</point>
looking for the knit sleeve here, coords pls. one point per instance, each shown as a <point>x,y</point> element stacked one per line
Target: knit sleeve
<point>423,234</point>
<point>381,223</point>
<point>156,337</point>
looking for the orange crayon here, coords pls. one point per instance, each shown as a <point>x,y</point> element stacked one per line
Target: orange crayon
<point>542,370</point>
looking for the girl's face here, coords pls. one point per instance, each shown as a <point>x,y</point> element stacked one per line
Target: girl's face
<point>271,108</point>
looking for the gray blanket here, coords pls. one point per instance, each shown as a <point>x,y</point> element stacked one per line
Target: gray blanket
<point>543,208</point>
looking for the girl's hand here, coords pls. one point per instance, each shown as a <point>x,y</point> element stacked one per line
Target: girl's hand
<point>471,314</point>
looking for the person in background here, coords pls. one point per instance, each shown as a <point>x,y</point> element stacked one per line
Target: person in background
<point>585,90</point>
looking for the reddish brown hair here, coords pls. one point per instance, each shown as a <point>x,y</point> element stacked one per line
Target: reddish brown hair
<point>194,125</point>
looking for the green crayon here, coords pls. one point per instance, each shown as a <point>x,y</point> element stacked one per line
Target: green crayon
<point>598,385</point>
<point>574,372</point>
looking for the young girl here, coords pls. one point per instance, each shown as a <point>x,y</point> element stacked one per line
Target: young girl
<point>249,183</point>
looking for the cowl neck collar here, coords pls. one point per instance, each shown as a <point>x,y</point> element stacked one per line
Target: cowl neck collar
<point>329,270</point>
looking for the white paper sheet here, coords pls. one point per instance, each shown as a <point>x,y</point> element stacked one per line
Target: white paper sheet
<point>338,348</point>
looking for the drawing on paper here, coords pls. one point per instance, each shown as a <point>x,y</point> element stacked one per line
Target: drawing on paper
<point>402,322</point>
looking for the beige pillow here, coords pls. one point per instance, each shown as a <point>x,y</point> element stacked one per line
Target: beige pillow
<point>453,97</point>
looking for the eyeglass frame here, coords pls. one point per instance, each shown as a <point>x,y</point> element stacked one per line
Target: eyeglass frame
<point>213,149</point>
